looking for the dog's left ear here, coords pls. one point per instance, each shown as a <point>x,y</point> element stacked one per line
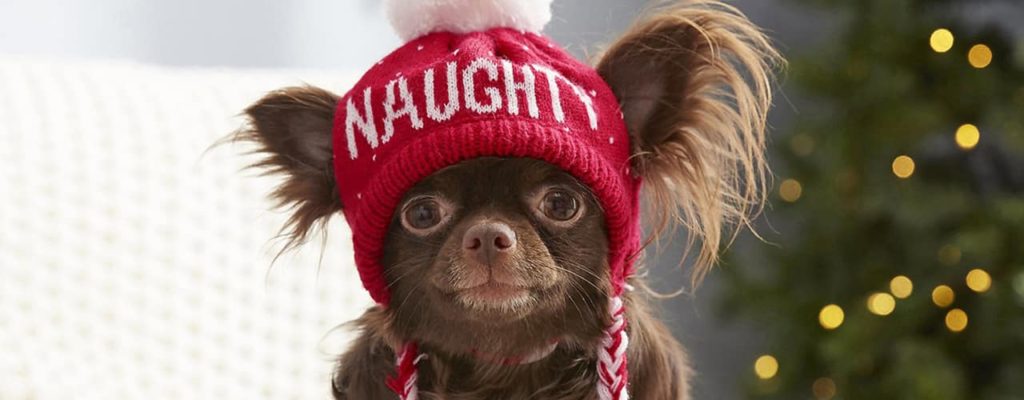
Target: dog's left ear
<point>694,82</point>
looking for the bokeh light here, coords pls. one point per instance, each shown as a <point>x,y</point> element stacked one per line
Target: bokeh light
<point>903,167</point>
<point>766,367</point>
<point>881,304</point>
<point>802,144</point>
<point>949,255</point>
<point>831,316</point>
<point>824,389</point>
<point>956,320</point>
<point>980,56</point>
<point>1018,286</point>
<point>901,287</point>
<point>967,136</point>
<point>790,190</point>
<point>978,280</point>
<point>943,296</point>
<point>942,40</point>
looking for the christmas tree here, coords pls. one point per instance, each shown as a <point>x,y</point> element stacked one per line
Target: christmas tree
<point>893,265</point>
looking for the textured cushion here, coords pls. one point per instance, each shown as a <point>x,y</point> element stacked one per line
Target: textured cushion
<point>133,265</point>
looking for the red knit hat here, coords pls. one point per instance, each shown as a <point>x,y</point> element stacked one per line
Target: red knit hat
<point>484,85</point>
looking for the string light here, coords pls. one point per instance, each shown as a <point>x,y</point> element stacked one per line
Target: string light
<point>967,136</point>
<point>802,144</point>
<point>847,179</point>
<point>766,367</point>
<point>790,190</point>
<point>901,287</point>
<point>943,296</point>
<point>956,320</point>
<point>949,255</point>
<point>1018,286</point>
<point>942,40</point>
<point>903,167</point>
<point>824,389</point>
<point>881,304</point>
<point>980,56</point>
<point>978,280</point>
<point>831,316</point>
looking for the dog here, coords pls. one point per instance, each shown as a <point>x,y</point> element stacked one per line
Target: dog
<point>498,267</point>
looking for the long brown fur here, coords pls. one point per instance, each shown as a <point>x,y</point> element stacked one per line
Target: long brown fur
<point>288,128</point>
<point>699,128</point>
<point>694,81</point>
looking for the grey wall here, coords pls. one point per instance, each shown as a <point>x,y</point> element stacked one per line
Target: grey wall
<point>351,35</point>
<point>321,34</point>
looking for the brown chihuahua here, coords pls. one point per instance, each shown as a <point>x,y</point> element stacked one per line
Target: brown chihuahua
<point>498,266</point>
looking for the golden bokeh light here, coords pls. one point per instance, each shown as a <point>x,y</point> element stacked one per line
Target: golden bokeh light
<point>979,281</point>
<point>943,296</point>
<point>766,367</point>
<point>881,304</point>
<point>1018,286</point>
<point>956,320</point>
<point>802,144</point>
<point>790,190</point>
<point>967,136</point>
<point>901,287</point>
<point>942,40</point>
<point>949,255</point>
<point>824,389</point>
<point>831,316</point>
<point>903,167</point>
<point>980,56</point>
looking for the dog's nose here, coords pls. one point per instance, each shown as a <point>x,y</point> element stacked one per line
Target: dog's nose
<point>489,242</point>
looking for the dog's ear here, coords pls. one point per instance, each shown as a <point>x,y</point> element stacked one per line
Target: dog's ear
<point>292,129</point>
<point>694,81</point>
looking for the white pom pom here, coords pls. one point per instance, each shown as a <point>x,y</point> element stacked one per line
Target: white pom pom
<point>414,18</point>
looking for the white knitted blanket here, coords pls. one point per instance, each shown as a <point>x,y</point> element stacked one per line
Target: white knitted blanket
<point>133,266</point>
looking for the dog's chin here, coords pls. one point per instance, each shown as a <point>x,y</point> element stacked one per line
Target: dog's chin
<point>494,301</point>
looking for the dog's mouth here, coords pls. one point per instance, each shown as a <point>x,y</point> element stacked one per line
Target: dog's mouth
<point>494,296</point>
<point>494,291</point>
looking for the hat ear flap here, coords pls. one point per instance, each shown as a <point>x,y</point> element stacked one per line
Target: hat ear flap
<point>694,83</point>
<point>292,128</point>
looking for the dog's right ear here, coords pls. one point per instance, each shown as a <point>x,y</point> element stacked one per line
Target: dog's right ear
<point>292,129</point>
<point>694,80</point>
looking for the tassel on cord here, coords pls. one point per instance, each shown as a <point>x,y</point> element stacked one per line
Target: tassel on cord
<point>612,369</point>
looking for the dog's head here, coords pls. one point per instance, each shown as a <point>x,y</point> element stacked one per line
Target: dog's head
<point>506,253</point>
<point>482,248</point>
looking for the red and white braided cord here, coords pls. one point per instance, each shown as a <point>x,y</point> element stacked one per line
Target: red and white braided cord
<point>612,371</point>
<point>404,383</point>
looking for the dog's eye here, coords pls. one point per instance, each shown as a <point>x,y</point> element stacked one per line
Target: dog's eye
<point>422,215</point>
<point>560,205</point>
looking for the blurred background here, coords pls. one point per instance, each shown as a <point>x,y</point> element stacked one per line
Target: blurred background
<point>892,265</point>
